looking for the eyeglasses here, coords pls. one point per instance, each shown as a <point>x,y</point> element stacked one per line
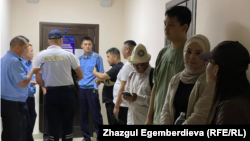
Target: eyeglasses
<point>137,66</point>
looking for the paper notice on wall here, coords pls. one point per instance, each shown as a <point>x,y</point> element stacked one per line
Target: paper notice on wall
<point>79,52</point>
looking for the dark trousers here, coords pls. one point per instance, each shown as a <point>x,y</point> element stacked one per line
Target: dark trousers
<point>14,120</point>
<point>123,112</point>
<point>46,126</point>
<point>60,108</point>
<point>89,101</point>
<point>31,116</point>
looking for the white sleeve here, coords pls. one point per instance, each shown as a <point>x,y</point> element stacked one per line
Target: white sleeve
<point>143,100</point>
<point>39,60</point>
<point>127,86</point>
<point>126,70</point>
<point>74,61</point>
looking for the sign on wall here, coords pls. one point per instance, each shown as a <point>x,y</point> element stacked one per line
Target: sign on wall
<point>69,43</point>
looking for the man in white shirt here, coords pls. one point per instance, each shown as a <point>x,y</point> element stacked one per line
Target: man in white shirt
<point>138,86</point>
<point>58,81</point>
<point>121,107</point>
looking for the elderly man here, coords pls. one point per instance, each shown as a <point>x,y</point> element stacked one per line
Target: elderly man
<point>26,60</point>
<point>139,86</point>
<point>14,90</point>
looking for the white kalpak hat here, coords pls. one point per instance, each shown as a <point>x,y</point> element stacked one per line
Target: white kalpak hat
<point>139,55</point>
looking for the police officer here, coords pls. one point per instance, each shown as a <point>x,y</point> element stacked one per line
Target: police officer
<point>88,93</point>
<point>60,94</point>
<point>26,60</point>
<point>14,91</point>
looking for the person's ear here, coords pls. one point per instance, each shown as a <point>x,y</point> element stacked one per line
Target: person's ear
<point>82,45</point>
<point>216,69</point>
<point>127,49</point>
<point>62,41</point>
<point>185,28</point>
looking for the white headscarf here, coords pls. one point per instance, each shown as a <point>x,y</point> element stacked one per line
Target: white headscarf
<point>189,76</point>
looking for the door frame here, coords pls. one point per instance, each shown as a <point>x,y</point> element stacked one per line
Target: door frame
<point>94,26</point>
<point>41,25</point>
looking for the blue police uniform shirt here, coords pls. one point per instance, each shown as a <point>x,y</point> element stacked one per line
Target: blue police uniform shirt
<point>43,76</point>
<point>13,72</point>
<point>87,65</point>
<point>28,66</point>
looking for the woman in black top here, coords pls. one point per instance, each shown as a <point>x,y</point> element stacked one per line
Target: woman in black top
<point>188,91</point>
<point>227,67</point>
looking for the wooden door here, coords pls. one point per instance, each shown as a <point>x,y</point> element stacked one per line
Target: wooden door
<point>78,31</point>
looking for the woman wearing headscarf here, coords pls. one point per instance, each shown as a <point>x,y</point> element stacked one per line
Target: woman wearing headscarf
<point>188,91</point>
<point>227,67</point>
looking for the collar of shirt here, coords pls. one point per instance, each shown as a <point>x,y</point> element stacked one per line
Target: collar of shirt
<point>26,63</point>
<point>54,47</point>
<point>88,57</point>
<point>14,54</point>
<point>147,71</point>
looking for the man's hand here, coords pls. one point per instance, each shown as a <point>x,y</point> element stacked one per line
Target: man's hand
<point>130,98</point>
<point>94,70</point>
<point>116,113</point>
<point>32,83</point>
<point>44,90</point>
<point>35,69</point>
<point>99,81</point>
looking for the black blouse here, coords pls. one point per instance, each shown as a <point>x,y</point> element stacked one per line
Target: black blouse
<point>181,99</point>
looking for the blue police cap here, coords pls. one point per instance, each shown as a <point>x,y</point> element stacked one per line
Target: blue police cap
<point>55,34</point>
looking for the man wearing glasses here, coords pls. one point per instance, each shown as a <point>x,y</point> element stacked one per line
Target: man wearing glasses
<point>139,86</point>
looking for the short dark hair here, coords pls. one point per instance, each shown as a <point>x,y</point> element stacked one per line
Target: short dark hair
<point>30,44</point>
<point>131,44</point>
<point>86,38</point>
<point>18,40</point>
<point>114,51</point>
<point>27,40</point>
<point>182,13</point>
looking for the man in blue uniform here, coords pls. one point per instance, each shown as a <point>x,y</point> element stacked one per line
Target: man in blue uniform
<point>88,93</point>
<point>14,91</point>
<point>26,60</point>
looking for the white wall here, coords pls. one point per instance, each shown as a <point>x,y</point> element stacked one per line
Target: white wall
<point>221,20</point>
<point>26,18</point>
<point>139,20</point>
<point>5,32</point>
<point>144,23</point>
